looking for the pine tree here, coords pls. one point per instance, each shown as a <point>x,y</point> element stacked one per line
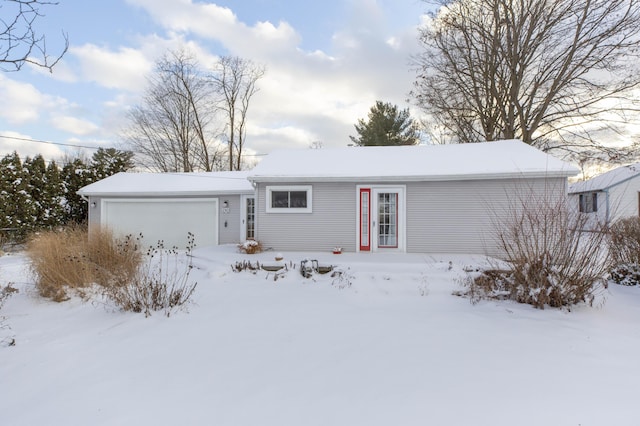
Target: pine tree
<point>109,161</point>
<point>75,174</point>
<point>16,210</point>
<point>54,189</point>
<point>386,125</point>
<point>34,175</point>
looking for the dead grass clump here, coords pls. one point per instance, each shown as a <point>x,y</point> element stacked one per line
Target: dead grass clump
<point>549,260</point>
<point>115,260</point>
<point>68,259</point>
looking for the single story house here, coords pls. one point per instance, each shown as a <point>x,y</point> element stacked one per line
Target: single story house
<point>418,199</point>
<point>216,207</point>
<point>608,197</point>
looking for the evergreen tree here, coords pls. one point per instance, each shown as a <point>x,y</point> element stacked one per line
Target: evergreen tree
<point>386,125</point>
<point>34,175</point>
<point>16,210</point>
<point>54,190</point>
<point>75,174</point>
<point>109,161</point>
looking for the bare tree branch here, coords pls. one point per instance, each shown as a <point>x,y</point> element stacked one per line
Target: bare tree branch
<point>174,129</point>
<point>20,43</point>
<point>554,73</point>
<point>234,80</point>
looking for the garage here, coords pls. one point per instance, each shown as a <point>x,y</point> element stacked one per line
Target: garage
<point>214,206</point>
<point>167,219</point>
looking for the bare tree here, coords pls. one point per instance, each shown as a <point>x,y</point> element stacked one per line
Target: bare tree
<point>19,40</point>
<point>234,80</point>
<point>554,73</point>
<point>174,129</point>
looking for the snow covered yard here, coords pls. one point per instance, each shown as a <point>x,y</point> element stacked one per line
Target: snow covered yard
<point>393,348</point>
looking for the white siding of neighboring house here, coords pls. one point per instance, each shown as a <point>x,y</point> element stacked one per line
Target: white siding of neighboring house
<point>624,199</point>
<point>441,217</point>
<point>592,220</point>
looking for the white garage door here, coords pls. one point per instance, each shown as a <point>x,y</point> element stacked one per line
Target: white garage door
<point>164,219</point>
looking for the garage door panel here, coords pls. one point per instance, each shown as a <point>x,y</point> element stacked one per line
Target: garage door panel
<point>168,220</point>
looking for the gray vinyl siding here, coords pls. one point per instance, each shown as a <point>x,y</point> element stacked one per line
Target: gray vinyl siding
<point>441,216</point>
<point>229,223</point>
<point>463,216</point>
<point>93,218</point>
<point>331,222</point>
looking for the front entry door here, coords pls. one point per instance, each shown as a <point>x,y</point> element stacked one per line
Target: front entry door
<point>387,212</point>
<point>381,218</point>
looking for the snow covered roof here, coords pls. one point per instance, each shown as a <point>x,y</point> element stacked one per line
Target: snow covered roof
<point>150,184</point>
<point>607,180</point>
<point>486,160</point>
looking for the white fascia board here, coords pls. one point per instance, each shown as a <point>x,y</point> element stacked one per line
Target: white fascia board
<point>154,194</point>
<point>430,178</point>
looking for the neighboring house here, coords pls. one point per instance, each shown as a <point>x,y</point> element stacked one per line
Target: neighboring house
<point>419,199</point>
<point>216,207</point>
<point>607,197</point>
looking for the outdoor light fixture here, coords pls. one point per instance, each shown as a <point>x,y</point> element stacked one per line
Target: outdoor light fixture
<point>225,204</point>
<point>93,204</point>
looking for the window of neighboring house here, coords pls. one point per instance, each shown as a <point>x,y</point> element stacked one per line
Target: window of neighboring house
<point>589,202</point>
<point>289,199</point>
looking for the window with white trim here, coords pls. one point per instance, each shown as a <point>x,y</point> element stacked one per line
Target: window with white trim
<point>289,199</point>
<point>589,202</point>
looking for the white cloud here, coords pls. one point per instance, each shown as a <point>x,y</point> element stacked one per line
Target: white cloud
<point>63,71</point>
<point>22,102</point>
<point>74,125</point>
<point>11,141</point>
<point>123,69</point>
<point>221,24</point>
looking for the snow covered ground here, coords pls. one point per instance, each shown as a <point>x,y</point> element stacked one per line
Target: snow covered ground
<point>393,348</point>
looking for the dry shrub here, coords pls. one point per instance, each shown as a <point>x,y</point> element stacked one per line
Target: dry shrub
<point>624,248</point>
<point>161,283</point>
<point>550,261</point>
<point>67,258</point>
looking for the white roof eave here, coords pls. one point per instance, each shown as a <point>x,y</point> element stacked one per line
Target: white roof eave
<point>162,194</point>
<point>429,178</point>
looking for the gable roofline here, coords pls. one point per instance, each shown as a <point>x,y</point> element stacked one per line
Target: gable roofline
<point>485,160</point>
<point>425,178</point>
<point>606,181</point>
<point>169,184</point>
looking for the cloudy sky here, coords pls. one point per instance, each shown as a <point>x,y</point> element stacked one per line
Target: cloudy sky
<point>327,63</point>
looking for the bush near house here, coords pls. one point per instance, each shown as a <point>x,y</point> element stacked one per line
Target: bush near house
<point>161,283</point>
<point>69,259</point>
<point>624,247</point>
<point>548,260</point>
